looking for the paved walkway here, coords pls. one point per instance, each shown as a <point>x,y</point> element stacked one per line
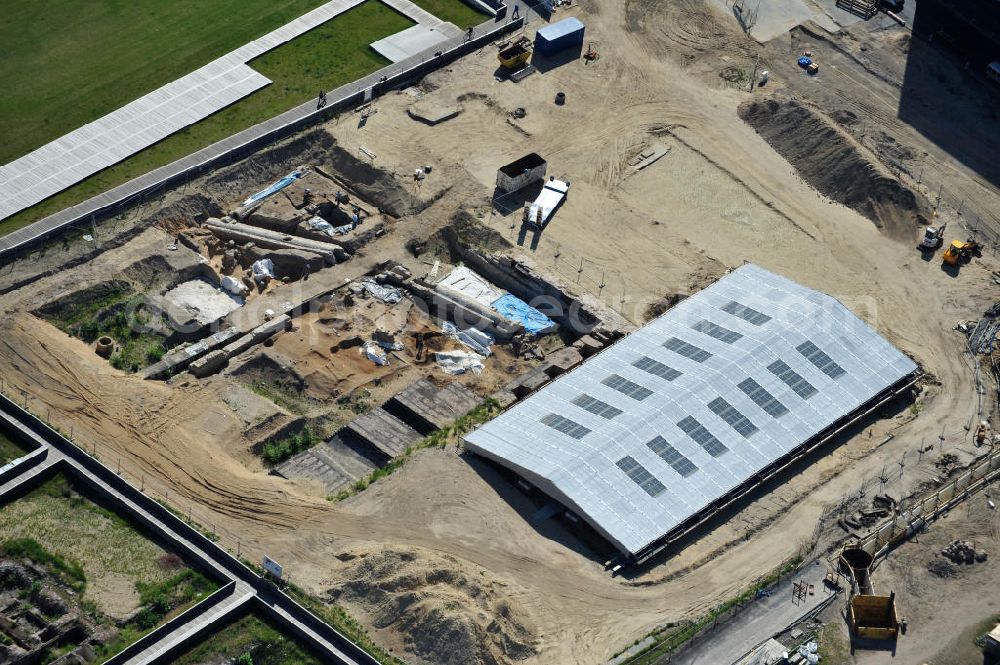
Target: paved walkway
<point>760,621</point>
<point>139,124</point>
<point>182,539</point>
<point>196,161</point>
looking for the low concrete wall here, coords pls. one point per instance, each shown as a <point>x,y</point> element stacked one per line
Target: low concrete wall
<point>181,619</point>
<point>16,467</point>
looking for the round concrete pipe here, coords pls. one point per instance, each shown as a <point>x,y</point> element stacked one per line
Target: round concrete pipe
<point>105,345</point>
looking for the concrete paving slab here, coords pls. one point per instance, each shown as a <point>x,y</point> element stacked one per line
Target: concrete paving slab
<point>411,41</point>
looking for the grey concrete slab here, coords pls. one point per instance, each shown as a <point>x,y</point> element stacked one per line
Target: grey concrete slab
<point>409,42</point>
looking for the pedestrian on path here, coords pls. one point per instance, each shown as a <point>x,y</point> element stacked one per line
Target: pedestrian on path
<point>517,13</point>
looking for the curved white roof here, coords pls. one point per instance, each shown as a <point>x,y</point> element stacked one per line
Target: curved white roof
<point>652,430</point>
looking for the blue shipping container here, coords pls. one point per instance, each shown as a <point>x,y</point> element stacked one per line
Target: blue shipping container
<point>559,36</point>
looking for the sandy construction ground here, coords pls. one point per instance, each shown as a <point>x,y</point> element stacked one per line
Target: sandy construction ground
<point>722,195</point>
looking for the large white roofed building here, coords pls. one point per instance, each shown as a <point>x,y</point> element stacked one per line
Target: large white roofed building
<point>651,435</point>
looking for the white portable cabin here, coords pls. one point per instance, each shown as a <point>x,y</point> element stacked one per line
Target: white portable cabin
<point>521,173</point>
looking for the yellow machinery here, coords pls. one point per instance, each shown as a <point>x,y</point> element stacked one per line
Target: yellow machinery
<point>514,56</point>
<point>960,251</point>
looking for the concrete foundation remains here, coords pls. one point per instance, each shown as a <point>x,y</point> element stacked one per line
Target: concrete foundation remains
<point>426,408</point>
<point>381,433</point>
<point>196,301</point>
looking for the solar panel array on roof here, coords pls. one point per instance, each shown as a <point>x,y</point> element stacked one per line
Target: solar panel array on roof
<point>647,434</point>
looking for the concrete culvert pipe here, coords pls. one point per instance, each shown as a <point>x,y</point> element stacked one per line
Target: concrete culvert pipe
<point>105,345</point>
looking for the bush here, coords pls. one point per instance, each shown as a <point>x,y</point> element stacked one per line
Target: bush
<point>280,450</point>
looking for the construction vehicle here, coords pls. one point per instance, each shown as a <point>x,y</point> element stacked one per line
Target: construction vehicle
<point>960,251</point>
<point>515,55</point>
<point>933,238</point>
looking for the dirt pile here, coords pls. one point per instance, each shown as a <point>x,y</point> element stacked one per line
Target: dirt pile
<point>447,617</point>
<point>257,172</point>
<point>835,164</point>
<point>375,185</point>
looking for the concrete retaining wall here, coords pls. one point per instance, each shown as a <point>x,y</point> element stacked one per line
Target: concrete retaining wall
<point>210,558</point>
<point>183,618</point>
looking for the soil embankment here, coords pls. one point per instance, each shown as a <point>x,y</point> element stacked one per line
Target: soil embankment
<point>834,163</point>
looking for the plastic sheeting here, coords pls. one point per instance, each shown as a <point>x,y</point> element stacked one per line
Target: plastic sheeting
<point>319,224</point>
<point>387,294</point>
<point>469,284</point>
<point>515,309</point>
<point>477,340</point>
<point>274,188</point>
<point>233,285</point>
<point>262,270</point>
<point>375,354</point>
<point>459,362</point>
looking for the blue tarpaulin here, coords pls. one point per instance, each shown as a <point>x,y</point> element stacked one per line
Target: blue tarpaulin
<point>515,309</point>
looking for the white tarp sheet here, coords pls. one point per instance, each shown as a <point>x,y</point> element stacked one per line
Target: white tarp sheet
<point>463,281</point>
<point>459,362</point>
<point>477,340</point>
<point>387,294</point>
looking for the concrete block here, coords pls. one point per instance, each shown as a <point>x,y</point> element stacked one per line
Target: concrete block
<point>209,363</point>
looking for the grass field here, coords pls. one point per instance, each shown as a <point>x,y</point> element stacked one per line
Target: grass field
<point>114,556</point>
<point>453,11</point>
<point>9,450</point>
<point>249,640</point>
<point>145,44</point>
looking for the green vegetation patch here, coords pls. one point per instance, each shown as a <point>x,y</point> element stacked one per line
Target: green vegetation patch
<point>453,11</point>
<point>93,543</point>
<point>278,451</point>
<point>113,309</point>
<point>249,641</point>
<point>324,58</point>
<point>28,548</point>
<point>9,450</point>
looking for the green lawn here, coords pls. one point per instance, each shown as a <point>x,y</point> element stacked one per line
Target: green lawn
<point>249,640</point>
<point>453,11</point>
<point>332,54</point>
<point>68,62</point>
<point>9,450</point>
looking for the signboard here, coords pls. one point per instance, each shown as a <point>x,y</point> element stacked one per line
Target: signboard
<point>272,567</point>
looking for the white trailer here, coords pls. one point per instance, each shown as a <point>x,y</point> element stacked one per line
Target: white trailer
<point>538,214</point>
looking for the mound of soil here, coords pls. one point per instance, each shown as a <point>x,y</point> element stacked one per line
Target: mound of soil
<point>830,160</point>
<point>447,617</point>
<point>253,174</point>
<point>372,183</point>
